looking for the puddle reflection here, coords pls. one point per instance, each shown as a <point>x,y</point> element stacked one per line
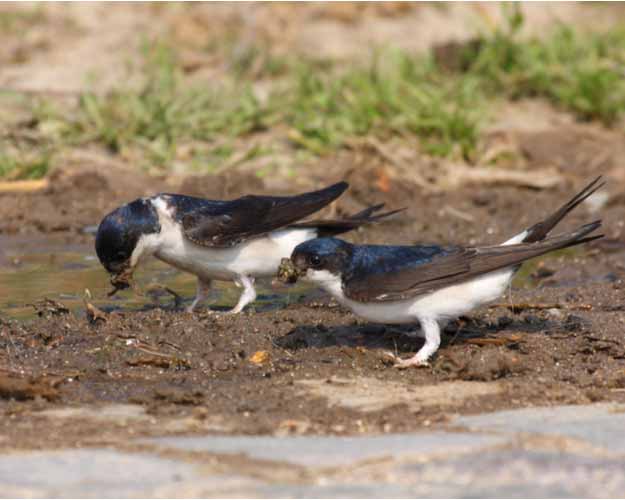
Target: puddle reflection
<point>29,273</point>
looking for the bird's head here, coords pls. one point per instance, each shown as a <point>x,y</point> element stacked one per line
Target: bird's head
<point>321,259</point>
<point>120,235</point>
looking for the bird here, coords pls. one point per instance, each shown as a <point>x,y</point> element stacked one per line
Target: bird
<point>429,284</point>
<point>237,240</point>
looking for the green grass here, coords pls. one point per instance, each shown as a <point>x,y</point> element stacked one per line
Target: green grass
<point>321,106</point>
<point>164,113</point>
<point>403,95</point>
<point>17,167</point>
<point>580,72</point>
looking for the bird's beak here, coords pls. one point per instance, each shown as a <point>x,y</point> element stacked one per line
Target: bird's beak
<point>288,272</point>
<point>121,280</point>
<point>300,263</point>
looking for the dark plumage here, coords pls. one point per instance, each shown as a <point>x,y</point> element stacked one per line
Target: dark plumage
<point>382,273</point>
<point>224,224</point>
<point>430,284</point>
<point>120,231</point>
<point>539,231</point>
<point>237,239</point>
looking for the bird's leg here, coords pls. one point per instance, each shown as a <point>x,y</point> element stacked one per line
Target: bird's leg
<point>432,334</point>
<point>248,295</point>
<point>203,288</point>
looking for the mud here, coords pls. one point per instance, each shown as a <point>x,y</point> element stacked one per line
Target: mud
<point>312,367</point>
<point>76,199</point>
<point>80,368</point>
<point>307,366</point>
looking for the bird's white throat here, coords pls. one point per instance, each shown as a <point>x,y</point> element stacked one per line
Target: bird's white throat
<point>331,283</point>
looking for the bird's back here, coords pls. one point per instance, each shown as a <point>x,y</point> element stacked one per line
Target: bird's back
<point>388,258</point>
<point>183,205</point>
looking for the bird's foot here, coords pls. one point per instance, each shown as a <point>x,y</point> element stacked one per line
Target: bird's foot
<point>195,309</point>
<point>203,311</point>
<point>236,309</point>
<point>402,364</point>
<point>215,313</point>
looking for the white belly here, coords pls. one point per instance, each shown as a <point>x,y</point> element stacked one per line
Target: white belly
<point>441,305</point>
<point>258,257</point>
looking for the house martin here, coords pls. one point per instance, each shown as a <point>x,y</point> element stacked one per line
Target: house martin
<point>429,284</point>
<point>237,240</point>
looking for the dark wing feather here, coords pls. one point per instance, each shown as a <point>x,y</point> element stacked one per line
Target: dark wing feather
<point>249,216</point>
<point>450,268</point>
<point>371,285</point>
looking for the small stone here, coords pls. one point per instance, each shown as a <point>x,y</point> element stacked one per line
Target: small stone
<point>555,313</point>
<point>260,357</point>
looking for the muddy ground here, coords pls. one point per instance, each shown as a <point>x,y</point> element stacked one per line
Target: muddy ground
<point>312,367</point>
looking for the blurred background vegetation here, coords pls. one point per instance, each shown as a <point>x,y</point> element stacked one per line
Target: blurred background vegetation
<point>174,88</point>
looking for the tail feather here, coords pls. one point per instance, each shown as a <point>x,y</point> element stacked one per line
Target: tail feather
<point>489,259</point>
<point>460,265</point>
<point>539,232</point>
<point>367,212</point>
<point>333,227</point>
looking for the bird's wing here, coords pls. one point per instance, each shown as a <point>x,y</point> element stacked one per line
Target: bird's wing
<point>249,216</point>
<point>332,227</point>
<point>450,267</point>
<point>395,278</point>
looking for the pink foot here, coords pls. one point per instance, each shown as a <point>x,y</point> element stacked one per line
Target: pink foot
<point>402,364</point>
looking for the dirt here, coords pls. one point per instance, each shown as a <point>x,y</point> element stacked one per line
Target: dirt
<point>14,386</point>
<point>101,377</point>
<point>81,191</point>
<point>312,367</point>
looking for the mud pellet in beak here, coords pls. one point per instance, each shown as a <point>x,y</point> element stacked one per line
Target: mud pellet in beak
<point>287,272</point>
<point>121,281</point>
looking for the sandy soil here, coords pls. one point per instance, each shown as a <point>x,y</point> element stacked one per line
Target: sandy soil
<point>70,47</point>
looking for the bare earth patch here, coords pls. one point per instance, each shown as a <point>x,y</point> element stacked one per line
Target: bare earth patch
<point>308,367</point>
<point>369,394</point>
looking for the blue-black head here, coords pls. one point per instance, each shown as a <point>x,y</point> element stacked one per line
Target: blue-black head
<point>119,233</point>
<point>323,254</point>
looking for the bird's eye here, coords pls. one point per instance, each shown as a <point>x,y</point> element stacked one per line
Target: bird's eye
<point>315,260</point>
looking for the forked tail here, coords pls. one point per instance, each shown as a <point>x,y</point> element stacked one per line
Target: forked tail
<point>539,231</point>
<point>487,259</point>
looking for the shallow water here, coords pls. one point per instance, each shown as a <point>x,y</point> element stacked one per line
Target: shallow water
<point>32,269</point>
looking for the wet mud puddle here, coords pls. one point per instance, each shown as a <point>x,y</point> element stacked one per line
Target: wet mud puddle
<point>305,369</point>
<point>34,269</point>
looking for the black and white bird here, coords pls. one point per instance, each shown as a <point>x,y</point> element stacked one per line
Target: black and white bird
<point>237,240</point>
<point>429,285</point>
